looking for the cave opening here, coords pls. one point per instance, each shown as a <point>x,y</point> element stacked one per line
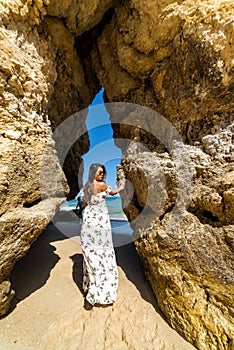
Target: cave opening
<point>102,149</point>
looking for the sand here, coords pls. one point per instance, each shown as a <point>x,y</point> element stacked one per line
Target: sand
<point>48,312</point>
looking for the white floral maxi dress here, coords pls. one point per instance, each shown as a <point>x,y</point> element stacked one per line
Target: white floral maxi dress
<point>100,274</point>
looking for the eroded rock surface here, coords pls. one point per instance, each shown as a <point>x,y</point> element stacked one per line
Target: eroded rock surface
<point>67,325</point>
<point>28,72</point>
<point>174,57</point>
<point>189,265</point>
<point>187,251</point>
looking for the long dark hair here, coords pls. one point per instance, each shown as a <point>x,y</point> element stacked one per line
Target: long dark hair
<point>88,191</point>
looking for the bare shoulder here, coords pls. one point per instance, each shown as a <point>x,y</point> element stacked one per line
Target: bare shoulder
<point>100,187</point>
<point>103,186</point>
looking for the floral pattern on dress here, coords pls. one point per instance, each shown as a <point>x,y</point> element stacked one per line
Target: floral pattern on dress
<point>100,278</point>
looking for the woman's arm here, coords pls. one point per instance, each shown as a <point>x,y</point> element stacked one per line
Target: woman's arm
<point>103,187</point>
<point>114,192</point>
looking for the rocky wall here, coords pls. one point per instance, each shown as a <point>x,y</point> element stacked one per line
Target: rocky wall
<point>41,84</point>
<point>175,57</point>
<point>178,58</point>
<point>187,250</point>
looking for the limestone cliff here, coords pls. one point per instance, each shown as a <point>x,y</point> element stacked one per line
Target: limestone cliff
<point>176,57</point>
<point>32,81</point>
<point>190,263</point>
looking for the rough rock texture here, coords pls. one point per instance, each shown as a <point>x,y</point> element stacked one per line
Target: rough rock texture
<point>79,16</point>
<point>26,81</point>
<point>188,254</point>
<point>67,325</point>
<point>174,57</point>
<point>178,59</point>
<point>29,69</point>
<point>70,94</point>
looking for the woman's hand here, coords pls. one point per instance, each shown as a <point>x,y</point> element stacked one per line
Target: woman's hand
<point>120,188</point>
<point>114,192</point>
<point>121,184</point>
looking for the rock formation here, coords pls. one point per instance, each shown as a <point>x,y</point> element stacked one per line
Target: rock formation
<point>177,58</point>
<point>189,263</point>
<point>31,72</point>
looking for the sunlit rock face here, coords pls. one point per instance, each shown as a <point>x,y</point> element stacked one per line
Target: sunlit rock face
<point>38,66</point>
<point>187,250</point>
<point>176,58</point>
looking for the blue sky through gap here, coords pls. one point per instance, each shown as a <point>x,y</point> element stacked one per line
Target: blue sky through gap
<point>102,147</point>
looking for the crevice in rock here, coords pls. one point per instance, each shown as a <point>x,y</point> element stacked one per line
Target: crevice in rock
<point>84,45</point>
<point>206,217</point>
<point>207,296</point>
<point>168,210</point>
<point>139,135</point>
<point>207,214</point>
<point>31,204</point>
<point>85,42</point>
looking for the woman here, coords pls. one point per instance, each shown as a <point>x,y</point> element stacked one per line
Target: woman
<point>100,279</point>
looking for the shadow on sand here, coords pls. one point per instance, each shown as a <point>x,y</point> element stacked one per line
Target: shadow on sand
<point>129,261</point>
<point>32,271</point>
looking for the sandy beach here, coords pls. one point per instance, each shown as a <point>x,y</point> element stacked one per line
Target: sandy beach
<point>48,312</point>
